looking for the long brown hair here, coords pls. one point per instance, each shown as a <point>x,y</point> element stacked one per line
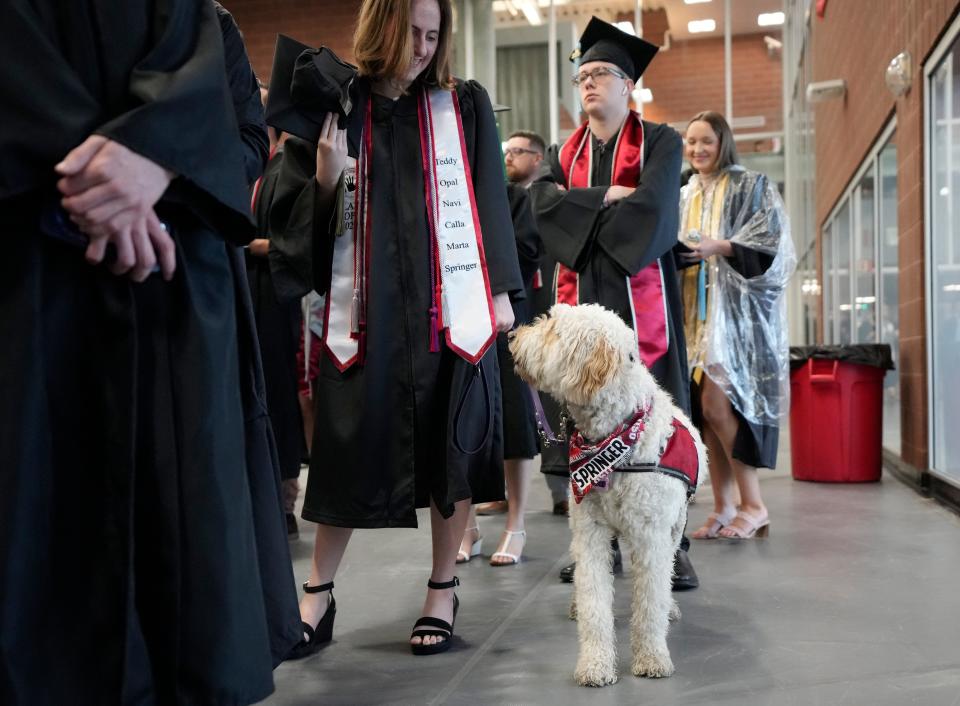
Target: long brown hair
<point>382,46</point>
<point>727,155</point>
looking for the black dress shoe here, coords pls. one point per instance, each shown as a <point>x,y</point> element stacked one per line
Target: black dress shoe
<point>684,577</point>
<point>566,573</point>
<point>293,532</point>
<point>561,508</point>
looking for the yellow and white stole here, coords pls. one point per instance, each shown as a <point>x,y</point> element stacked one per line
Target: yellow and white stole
<point>693,283</point>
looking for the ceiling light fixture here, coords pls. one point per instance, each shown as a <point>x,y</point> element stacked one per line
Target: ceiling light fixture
<point>701,26</point>
<point>695,2</point>
<point>530,11</point>
<point>770,19</point>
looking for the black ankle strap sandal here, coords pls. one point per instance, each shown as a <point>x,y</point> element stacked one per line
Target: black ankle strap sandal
<point>428,626</point>
<point>318,636</point>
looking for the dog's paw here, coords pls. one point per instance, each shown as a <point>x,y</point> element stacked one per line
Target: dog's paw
<point>649,664</point>
<point>573,610</point>
<point>674,611</point>
<point>595,673</point>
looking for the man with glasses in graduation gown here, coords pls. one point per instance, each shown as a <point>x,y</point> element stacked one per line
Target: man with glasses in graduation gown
<point>606,205</point>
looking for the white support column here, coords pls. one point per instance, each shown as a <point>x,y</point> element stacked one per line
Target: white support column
<point>552,78</point>
<point>727,63</point>
<point>469,45</point>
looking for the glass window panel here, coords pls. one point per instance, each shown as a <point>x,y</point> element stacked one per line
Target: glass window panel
<point>810,296</point>
<point>944,281</point>
<point>842,299</point>
<point>890,291</point>
<point>864,263</point>
<point>829,274</point>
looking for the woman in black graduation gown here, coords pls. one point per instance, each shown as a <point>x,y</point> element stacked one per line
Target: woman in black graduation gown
<point>142,545</point>
<point>407,427</point>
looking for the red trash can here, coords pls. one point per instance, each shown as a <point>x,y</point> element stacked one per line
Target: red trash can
<point>836,413</point>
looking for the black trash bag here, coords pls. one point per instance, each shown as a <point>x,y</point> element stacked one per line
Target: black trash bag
<point>877,355</point>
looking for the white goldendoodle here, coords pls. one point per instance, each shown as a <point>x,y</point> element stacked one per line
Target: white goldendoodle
<point>634,457</point>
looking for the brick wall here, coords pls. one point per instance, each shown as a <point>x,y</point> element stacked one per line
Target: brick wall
<point>856,41</point>
<point>314,22</point>
<point>688,78</point>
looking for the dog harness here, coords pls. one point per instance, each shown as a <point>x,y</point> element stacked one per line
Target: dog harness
<point>592,464</point>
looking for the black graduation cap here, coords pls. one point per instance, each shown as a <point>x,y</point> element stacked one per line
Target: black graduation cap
<point>601,41</point>
<point>305,85</point>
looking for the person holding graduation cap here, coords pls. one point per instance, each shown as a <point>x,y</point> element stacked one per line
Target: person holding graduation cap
<point>394,207</point>
<point>606,206</point>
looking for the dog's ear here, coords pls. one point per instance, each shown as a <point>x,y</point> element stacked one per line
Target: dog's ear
<point>527,348</point>
<point>596,371</point>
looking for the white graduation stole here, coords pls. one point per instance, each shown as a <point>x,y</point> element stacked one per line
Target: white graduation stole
<point>466,304</point>
<point>460,285</point>
<point>339,330</point>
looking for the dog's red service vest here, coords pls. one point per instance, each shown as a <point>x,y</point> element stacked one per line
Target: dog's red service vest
<point>592,464</point>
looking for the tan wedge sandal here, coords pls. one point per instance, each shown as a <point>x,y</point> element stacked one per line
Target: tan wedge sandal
<point>748,527</point>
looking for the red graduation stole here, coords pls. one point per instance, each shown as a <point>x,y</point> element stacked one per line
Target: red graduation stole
<point>645,289</point>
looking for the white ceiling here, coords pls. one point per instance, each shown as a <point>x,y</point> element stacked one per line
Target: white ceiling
<point>743,13</point>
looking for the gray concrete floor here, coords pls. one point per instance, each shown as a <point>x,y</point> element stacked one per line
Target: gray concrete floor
<point>853,599</point>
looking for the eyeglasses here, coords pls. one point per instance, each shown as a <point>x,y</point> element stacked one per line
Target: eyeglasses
<point>517,151</point>
<point>598,74</point>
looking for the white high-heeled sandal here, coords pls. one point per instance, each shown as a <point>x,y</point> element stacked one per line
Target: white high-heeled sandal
<point>475,549</point>
<point>711,528</point>
<point>514,558</point>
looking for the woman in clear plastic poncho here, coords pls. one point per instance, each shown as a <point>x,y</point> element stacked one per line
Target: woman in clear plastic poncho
<point>738,256</point>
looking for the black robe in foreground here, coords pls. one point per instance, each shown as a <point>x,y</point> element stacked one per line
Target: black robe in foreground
<point>605,245</point>
<point>245,94</point>
<point>409,426</point>
<point>143,554</point>
<point>278,327</point>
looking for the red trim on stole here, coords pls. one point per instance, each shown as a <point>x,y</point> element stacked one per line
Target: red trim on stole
<point>575,161</point>
<point>430,189</point>
<point>646,286</point>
